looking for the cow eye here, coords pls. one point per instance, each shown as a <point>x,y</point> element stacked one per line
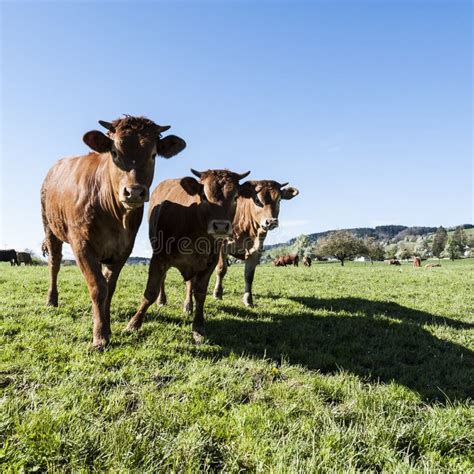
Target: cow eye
<point>257,201</point>
<point>114,154</point>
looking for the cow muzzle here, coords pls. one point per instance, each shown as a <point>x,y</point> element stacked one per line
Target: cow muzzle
<point>269,223</point>
<point>220,228</point>
<point>134,196</point>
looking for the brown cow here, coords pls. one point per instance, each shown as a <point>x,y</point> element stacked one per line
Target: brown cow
<point>416,262</point>
<point>24,257</point>
<point>285,260</point>
<point>394,261</point>
<point>95,203</point>
<point>290,260</point>
<point>307,261</point>
<point>278,262</point>
<point>254,218</point>
<point>188,219</point>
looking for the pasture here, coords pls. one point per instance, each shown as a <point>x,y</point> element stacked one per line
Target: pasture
<point>356,368</point>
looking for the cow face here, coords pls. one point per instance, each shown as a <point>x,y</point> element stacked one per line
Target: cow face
<point>132,144</point>
<point>219,191</point>
<point>266,202</point>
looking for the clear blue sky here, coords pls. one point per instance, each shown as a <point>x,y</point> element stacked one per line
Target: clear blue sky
<point>366,107</point>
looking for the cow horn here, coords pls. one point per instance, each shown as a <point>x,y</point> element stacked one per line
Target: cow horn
<point>196,173</point>
<point>283,185</point>
<point>243,175</point>
<point>107,125</point>
<point>163,128</point>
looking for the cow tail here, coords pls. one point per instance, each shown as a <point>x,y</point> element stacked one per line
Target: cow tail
<point>44,248</point>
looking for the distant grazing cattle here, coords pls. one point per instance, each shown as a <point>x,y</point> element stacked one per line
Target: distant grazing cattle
<point>188,221</point>
<point>9,256</point>
<point>285,260</point>
<point>95,203</point>
<point>394,261</point>
<point>432,265</point>
<point>307,261</point>
<point>416,262</point>
<point>278,262</point>
<point>24,257</point>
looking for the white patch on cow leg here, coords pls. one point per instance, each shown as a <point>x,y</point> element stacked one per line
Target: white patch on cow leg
<point>248,300</point>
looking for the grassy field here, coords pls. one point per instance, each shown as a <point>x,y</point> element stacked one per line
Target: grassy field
<point>356,368</point>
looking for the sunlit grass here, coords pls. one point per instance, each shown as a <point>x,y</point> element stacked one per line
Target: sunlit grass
<point>361,367</point>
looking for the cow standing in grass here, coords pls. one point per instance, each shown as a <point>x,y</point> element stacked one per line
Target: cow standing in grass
<point>24,257</point>
<point>9,256</point>
<point>188,220</point>
<point>254,218</point>
<point>95,203</point>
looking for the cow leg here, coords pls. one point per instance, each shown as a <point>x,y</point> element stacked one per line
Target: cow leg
<point>156,273</point>
<point>200,284</point>
<point>97,285</point>
<point>188,301</point>
<point>111,274</point>
<point>54,247</point>
<point>220,274</point>
<point>161,301</point>
<point>249,273</point>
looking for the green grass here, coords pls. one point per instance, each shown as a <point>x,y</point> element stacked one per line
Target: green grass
<point>356,368</point>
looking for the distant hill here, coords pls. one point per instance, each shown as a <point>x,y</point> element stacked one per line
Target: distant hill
<point>138,261</point>
<point>387,233</point>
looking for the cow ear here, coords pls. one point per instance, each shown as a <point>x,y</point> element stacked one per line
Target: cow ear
<point>289,193</point>
<point>247,189</point>
<point>191,186</point>
<point>170,146</point>
<point>97,141</point>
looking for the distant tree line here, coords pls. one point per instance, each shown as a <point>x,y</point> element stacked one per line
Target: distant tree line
<point>345,245</point>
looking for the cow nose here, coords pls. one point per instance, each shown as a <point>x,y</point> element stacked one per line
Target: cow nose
<point>137,193</point>
<point>220,227</point>
<point>271,223</point>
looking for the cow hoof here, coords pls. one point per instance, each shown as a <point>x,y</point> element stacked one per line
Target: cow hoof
<point>218,295</point>
<point>188,308</point>
<point>132,326</point>
<point>52,300</point>
<point>199,336</point>
<point>248,300</point>
<point>161,302</point>
<point>99,344</point>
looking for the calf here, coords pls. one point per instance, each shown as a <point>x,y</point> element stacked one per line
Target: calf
<point>188,220</point>
<point>307,261</point>
<point>95,203</point>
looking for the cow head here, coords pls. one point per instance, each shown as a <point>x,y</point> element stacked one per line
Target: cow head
<point>132,144</point>
<point>219,191</point>
<point>266,202</point>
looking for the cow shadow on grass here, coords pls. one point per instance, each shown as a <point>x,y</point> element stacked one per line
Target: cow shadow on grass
<point>378,341</point>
